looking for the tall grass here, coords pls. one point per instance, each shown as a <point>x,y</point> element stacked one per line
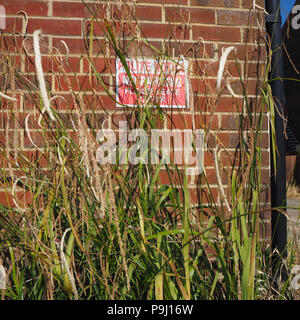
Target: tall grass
<point>75,229</point>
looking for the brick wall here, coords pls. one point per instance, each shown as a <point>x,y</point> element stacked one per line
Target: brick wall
<point>197,29</point>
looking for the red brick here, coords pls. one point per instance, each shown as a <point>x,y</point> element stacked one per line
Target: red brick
<point>100,64</point>
<point>254,69</point>
<point>64,103</point>
<point>56,26</point>
<point>265,122</point>
<point>155,30</point>
<point>34,157</point>
<point>230,17</point>
<point>203,120</point>
<point>265,196</point>
<point>32,120</point>
<point>265,176</point>
<point>47,64</point>
<point>195,50</point>
<point>30,103</point>
<point>152,13</point>
<point>44,46</point>
<point>14,25</point>
<point>31,7</point>
<point>94,120</point>
<point>223,138</point>
<point>179,121</point>
<point>243,51</point>
<point>175,177</point>
<point>36,137</point>
<point>199,86</point>
<point>230,122</point>
<point>253,35</point>
<point>73,136</point>
<point>116,118</point>
<point>99,102</point>
<point>211,69</point>
<point>98,28</point>
<point>70,65</point>
<point>32,80</point>
<point>208,159</point>
<point>228,34</point>
<point>177,2</point>
<point>203,195</point>
<point>234,139</point>
<point>164,31</point>
<point>250,87</point>
<point>192,15</point>
<point>138,48</point>
<point>5,104</point>
<point>216,3</point>
<point>229,158</point>
<point>78,10</point>
<point>77,46</point>
<point>4,118</point>
<point>215,139</point>
<point>149,13</point>
<point>265,158</point>
<point>229,104</point>
<point>248,3</point>
<point>210,177</point>
<point>79,83</point>
<point>11,136</point>
<point>6,199</point>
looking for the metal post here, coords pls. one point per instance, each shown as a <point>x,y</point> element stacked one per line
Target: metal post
<point>278,173</point>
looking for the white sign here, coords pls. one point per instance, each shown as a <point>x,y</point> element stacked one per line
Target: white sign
<point>152,82</point>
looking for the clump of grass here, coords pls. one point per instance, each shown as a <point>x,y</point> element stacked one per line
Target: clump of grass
<point>80,230</point>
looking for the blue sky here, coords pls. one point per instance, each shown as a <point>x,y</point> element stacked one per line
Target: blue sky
<point>286,7</point>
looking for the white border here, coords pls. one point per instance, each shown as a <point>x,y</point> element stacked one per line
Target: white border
<point>187,96</point>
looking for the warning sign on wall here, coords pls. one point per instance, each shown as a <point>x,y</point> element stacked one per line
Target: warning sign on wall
<point>152,83</point>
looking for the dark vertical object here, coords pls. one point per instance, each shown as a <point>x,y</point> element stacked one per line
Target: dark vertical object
<point>278,175</point>
<point>291,62</point>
